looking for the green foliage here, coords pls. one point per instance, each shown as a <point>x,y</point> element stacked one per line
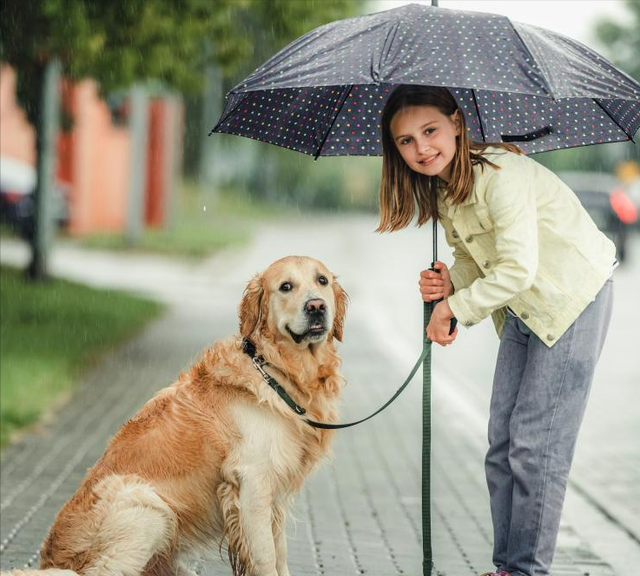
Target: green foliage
<point>623,47</point>
<point>49,334</point>
<point>120,42</point>
<point>623,40</point>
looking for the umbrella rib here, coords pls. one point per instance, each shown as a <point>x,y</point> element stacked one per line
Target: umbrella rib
<point>225,116</point>
<point>614,120</point>
<point>343,99</point>
<point>547,86</point>
<point>475,103</point>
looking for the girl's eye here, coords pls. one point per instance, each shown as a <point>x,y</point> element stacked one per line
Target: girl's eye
<point>323,280</point>
<point>405,141</point>
<point>429,130</point>
<point>285,287</point>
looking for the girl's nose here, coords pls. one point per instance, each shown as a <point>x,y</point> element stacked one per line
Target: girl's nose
<point>422,146</point>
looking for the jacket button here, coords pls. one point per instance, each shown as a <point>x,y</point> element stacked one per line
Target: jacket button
<point>550,337</point>
<point>486,264</point>
<point>524,315</point>
<point>469,239</point>
<point>455,234</point>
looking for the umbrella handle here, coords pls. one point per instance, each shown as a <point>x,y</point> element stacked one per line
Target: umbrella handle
<point>454,321</point>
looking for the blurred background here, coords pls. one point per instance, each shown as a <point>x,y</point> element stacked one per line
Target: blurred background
<point>128,234</point>
<point>105,111</point>
<point>142,83</point>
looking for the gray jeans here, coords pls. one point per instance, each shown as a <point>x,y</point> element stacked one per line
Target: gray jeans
<point>537,404</point>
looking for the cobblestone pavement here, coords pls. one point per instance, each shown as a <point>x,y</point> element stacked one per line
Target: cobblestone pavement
<point>360,514</point>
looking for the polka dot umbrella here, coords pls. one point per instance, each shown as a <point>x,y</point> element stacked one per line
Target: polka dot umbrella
<point>323,94</point>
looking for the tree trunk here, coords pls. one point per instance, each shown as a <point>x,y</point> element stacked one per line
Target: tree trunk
<point>46,134</point>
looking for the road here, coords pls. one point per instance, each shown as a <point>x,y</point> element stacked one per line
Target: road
<point>362,511</point>
<point>380,273</point>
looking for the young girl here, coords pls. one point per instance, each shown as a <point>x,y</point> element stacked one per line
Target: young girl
<point>527,253</point>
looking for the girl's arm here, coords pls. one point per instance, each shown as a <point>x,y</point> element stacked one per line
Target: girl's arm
<point>511,200</point>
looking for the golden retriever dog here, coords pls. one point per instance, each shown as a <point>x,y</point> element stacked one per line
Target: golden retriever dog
<point>214,460</point>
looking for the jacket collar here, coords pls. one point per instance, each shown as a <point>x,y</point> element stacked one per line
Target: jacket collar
<point>447,204</point>
<point>478,174</point>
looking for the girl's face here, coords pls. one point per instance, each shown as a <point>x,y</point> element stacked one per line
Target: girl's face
<point>426,139</point>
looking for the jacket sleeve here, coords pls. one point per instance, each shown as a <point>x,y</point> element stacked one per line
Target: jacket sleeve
<point>511,201</point>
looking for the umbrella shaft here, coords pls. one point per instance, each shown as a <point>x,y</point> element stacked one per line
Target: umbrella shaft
<point>426,451</point>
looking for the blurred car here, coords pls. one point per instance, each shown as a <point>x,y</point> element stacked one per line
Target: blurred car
<point>17,188</point>
<point>605,199</point>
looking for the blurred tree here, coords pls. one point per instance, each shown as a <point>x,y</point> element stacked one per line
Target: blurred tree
<point>118,42</point>
<point>623,40</point>
<point>121,42</point>
<point>269,26</point>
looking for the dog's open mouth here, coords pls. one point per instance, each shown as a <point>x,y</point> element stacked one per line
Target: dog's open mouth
<point>316,328</point>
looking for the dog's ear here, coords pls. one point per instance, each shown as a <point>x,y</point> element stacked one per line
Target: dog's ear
<point>250,310</point>
<point>342,300</point>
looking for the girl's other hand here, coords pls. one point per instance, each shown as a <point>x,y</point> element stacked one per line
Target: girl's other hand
<point>438,328</point>
<point>435,285</point>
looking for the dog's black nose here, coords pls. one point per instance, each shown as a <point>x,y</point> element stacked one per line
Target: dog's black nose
<point>315,306</point>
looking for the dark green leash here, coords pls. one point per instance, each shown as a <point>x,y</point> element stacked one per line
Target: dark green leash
<point>258,361</point>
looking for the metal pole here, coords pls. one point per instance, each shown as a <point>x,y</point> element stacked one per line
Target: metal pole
<point>47,133</point>
<point>138,173</point>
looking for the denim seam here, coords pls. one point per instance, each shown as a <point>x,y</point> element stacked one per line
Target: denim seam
<point>546,456</point>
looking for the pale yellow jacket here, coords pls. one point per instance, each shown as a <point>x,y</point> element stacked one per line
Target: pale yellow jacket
<point>522,239</point>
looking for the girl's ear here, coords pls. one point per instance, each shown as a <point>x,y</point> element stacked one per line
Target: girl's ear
<point>342,300</point>
<point>456,119</point>
<point>250,310</point>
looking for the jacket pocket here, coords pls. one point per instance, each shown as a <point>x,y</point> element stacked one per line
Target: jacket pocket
<point>476,219</point>
<point>544,298</point>
<point>481,216</point>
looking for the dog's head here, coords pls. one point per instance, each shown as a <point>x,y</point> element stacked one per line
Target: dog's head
<point>296,299</point>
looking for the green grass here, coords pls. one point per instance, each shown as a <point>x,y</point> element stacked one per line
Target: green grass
<point>201,225</point>
<point>49,334</point>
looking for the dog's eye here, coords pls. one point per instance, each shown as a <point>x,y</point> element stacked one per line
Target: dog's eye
<point>285,287</point>
<point>323,280</point>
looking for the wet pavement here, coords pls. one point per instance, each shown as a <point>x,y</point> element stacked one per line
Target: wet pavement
<point>360,513</point>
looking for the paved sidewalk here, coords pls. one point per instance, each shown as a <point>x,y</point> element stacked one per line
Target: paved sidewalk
<point>360,514</point>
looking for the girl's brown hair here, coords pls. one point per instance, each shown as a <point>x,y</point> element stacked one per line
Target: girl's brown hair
<point>401,189</point>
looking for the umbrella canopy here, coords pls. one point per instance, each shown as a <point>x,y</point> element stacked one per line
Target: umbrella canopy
<point>323,94</point>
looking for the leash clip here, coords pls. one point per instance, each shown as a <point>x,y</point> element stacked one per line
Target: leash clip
<point>259,362</point>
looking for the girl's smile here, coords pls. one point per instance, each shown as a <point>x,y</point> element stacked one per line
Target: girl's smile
<point>426,139</point>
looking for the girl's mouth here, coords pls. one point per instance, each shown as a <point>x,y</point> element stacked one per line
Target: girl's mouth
<point>429,161</point>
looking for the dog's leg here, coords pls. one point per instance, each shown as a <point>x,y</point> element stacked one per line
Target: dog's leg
<point>128,526</point>
<point>280,540</point>
<point>256,518</point>
<point>246,508</point>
